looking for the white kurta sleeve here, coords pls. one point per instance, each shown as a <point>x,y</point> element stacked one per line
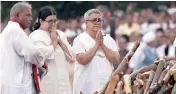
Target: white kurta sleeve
<point>111,44</point>
<point>24,47</point>
<point>78,46</point>
<point>46,49</point>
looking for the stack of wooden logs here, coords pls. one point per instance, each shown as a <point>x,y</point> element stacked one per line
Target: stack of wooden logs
<point>158,78</point>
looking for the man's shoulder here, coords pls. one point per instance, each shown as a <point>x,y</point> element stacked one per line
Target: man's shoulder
<point>14,25</point>
<point>12,28</point>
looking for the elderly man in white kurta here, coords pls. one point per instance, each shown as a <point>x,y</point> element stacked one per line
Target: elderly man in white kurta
<point>17,53</point>
<point>95,56</point>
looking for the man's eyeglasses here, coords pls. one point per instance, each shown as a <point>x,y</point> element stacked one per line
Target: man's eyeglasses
<point>51,21</point>
<point>96,20</point>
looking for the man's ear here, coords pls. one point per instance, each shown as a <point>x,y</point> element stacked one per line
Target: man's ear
<point>17,15</point>
<point>41,21</point>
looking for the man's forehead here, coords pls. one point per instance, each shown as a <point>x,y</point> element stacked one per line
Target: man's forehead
<point>27,9</point>
<point>51,17</point>
<point>95,15</point>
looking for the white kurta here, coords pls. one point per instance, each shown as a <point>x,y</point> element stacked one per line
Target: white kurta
<point>17,54</point>
<point>57,79</point>
<point>161,53</point>
<point>93,76</point>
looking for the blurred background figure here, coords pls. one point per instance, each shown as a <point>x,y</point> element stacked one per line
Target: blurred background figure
<point>146,53</point>
<point>122,43</point>
<point>61,25</point>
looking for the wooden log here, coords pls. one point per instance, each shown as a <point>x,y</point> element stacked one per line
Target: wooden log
<point>157,75</point>
<point>134,90</point>
<point>174,89</point>
<point>127,84</point>
<point>173,71</point>
<point>167,77</point>
<point>119,88</point>
<point>174,76</point>
<point>123,92</point>
<point>163,89</point>
<point>171,81</point>
<point>160,81</point>
<point>158,72</point>
<point>165,59</point>
<point>155,88</point>
<point>144,69</point>
<point>168,74</point>
<point>148,68</point>
<point>174,66</point>
<point>144,75</point>
<point>152,73</point>
<point>139,91</point>
<point>140,82</point>
<point>110,86</point>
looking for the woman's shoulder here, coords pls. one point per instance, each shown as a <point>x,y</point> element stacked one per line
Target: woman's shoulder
<point>39,35</point>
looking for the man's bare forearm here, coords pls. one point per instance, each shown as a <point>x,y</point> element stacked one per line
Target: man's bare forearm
<point>85,58</point>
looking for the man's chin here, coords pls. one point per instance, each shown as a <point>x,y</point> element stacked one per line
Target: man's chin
<point>97,29</point>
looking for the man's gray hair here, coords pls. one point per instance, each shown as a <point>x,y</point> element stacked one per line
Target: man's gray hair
<point>18,8</point>
<point>89,12</point>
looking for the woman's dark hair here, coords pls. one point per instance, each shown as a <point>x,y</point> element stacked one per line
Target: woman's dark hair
<point>43,13</point>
